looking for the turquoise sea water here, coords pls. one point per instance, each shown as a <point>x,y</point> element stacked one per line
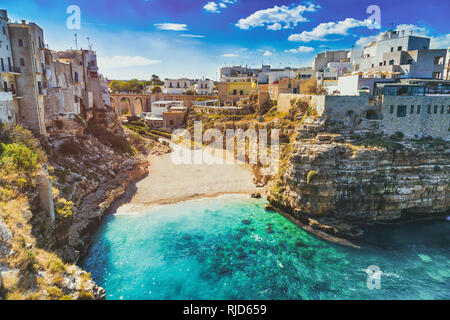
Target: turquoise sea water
<point>231,248</point>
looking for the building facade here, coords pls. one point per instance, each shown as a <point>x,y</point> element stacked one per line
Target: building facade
<point>9,100</point>
<point>396,53</point>
<point>204,87</point>
<point>27,42</point>
<point>179,86</point>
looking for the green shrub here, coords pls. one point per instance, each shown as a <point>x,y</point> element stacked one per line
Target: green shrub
<point>18,156</point>
<point>116,142</point>
<point>59,124</point>
<point>71,147</point>
<point>398,136</point>
<point>54,292</point>
<point>311,175</point>
<point>64,208</point>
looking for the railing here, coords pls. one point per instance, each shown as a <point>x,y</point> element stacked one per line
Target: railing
<point>13,91</point>
<point>10,69</point>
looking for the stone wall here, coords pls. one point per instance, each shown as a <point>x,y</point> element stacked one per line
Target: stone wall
<point>433,118</point>
<point>334,108</point>
<point>7,108</point>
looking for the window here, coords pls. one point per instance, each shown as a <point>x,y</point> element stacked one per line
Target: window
<point>373,66</point>
<point>234,92</point>
<point>381,64</point>
<point>448,109</point>
<point>384,63</point>
<point>429,108</point>
<point>435,109</point>
<point>412,110</point>
<point>401,111</point>
<point>22,62</point>
<point>20,43</point>
<point>399,48</point>
<point>410,61</point>
<point>4,31</point>
<point>391,62</point>
<point>39,87</point>
<point>392,110</point>
<point>3,64</point>
<point>242,92</point>
<point>437,75</point>
<point>418,109</point>
<point>442,109</point>
<point>439,60</point>
<point>392,49</point>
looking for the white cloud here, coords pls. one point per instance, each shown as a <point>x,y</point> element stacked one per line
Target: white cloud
<point>171,26</point>
<point>301,49</point>
<point>441,41</point>
<point>215,7</point>
<point>125,61</point>
<point>211,7</point>
<point>230,55</point>
<point>331,28</point>
<point>274,27</point>
<point>191,36</point>
<point>268,54</point>
<point>364,41</point>
<point>272,18</point>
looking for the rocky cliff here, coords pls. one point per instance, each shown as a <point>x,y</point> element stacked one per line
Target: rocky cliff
<point>338,181</point>
<point>89,164</point>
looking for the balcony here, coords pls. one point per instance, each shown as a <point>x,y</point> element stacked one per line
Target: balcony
<point>12,90</point>
<point>11,70</point>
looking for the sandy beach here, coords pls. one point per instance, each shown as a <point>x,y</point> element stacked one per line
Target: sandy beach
<point>168,182</point>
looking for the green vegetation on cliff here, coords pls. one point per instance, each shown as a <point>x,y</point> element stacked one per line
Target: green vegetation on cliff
<point>29,272</point>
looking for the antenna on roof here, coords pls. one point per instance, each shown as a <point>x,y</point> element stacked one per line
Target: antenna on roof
<point>76,41</point>
<point>392,26</point>
<point>89,43</point>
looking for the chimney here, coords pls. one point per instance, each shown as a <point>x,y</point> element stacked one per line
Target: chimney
<point>24,22</point>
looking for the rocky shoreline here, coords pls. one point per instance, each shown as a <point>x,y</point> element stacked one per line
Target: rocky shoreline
<point>340,182</point>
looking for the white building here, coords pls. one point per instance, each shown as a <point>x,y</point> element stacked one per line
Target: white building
<point>396,53</point>
<point>178,86</point>
<point>354,85</point>
<point>204,87</point>
<point>159,107</point>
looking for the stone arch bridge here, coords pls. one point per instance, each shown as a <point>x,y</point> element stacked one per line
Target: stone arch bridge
<point>141,102</point>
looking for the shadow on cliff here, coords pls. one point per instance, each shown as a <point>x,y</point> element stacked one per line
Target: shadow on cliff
<point>124,199</point>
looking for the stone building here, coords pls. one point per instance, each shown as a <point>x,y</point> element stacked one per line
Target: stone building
<point>396,53</point>
<point>27,42</point>
<point>9,101</point>
<point>204,87</point>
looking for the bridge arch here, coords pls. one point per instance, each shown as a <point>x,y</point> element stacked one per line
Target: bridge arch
<point>126,106</point>
<point>138,105</point>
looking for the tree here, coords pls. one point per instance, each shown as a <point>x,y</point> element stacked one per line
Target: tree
<point>317,90</point>
<point>156,89</point>
<point>115,85</point>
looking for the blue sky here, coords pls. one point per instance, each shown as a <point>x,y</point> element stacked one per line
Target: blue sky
<point>193,38</point>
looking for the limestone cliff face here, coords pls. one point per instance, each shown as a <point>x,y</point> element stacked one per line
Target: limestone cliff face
<point>91,169</point>
<point>339,181</point>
